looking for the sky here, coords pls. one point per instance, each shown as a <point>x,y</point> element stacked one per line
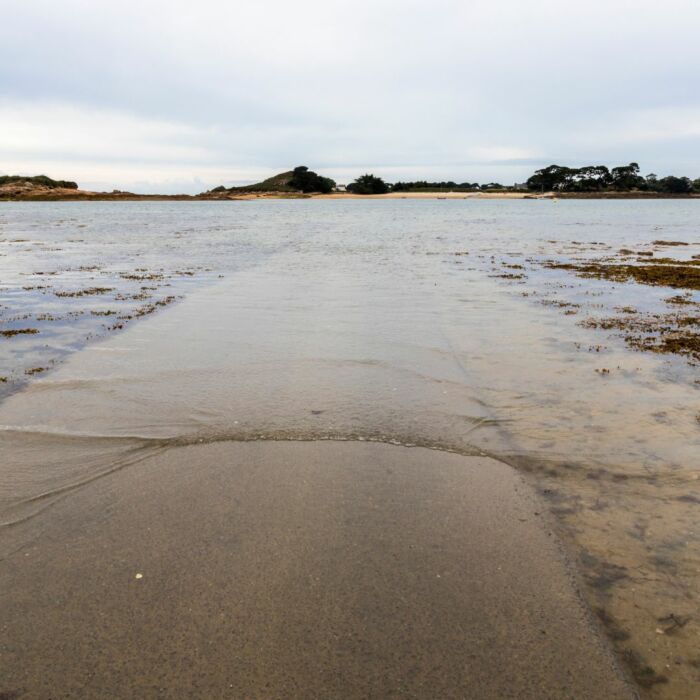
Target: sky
<point>172,96</point>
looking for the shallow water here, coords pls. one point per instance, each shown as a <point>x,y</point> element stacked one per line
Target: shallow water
<point>385,320</point>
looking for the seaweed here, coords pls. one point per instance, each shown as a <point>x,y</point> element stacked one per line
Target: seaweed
<point>677,276</point>
<point>91,291</point>
<point>18,331</point>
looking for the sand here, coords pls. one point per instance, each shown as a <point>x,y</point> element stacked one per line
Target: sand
<point>433,195</point>
<point>23,192</point>
<point>297,570</point>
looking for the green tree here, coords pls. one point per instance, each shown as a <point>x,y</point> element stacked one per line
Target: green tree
<point>590,178</point>
<point>675,185</point>
<point>652,182</point>
<point>308,181</point>
<point>553,177</point>
<point>627,177</point>
<point>368,184</point>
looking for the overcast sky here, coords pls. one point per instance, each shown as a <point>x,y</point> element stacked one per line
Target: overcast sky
<point>165,95</point>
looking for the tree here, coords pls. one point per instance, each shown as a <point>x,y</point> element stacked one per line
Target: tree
<point>590,178</point>
<point>627,177</point>
<point>368,184</point>
<point>652,182</point>
<point>308,181</point>
<point>675,185</point>
<point>553,177</point>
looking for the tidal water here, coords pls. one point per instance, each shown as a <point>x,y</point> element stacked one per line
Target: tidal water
<point>136,326</point>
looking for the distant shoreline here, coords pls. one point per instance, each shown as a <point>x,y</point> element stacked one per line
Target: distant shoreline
<point>62,195</point>
<point>553,182</point>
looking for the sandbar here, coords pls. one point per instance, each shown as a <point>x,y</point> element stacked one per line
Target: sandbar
<point>296,570</point>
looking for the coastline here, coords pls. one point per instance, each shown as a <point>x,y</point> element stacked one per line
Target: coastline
<point>87,196</point>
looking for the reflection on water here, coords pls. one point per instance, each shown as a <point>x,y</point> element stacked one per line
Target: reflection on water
<point>419,322</point>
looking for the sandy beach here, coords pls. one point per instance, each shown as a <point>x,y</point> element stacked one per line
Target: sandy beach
<point>59,194</point>
<point>433,195</point>
<point>296,570</point>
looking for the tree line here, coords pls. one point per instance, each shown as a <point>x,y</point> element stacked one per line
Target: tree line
<point>590,178</point>
<point>598,178</point>
<point>371,184</point>
<point>557,178</point>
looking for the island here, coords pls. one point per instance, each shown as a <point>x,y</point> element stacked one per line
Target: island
<point>552,182</point>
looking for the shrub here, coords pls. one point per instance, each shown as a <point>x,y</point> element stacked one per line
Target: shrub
<point>368,184</point>
<point>42,180</point>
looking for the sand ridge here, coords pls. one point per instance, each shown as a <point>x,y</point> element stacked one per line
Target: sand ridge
<point>271,570</point>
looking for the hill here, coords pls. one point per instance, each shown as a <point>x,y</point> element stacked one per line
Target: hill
<point>40,188</point>
<point>21,186</point>
<point>277,183</point>
<point>299,180</point>
<point>12,185</point>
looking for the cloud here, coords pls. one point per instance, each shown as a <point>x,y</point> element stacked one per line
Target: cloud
<point>171,91</point>
<point>505,154</point>
<point>58,130</point>
<point>661,125</point>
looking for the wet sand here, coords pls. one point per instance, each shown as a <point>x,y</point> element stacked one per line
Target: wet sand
<point>297,569</point>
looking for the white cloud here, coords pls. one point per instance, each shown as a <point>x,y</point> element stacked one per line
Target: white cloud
<point>490,154</point>
<point>167,91</point>
<point>62,130</point>
<point>661,125</point>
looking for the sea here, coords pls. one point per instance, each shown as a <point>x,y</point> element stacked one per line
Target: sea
<point>131,327</point>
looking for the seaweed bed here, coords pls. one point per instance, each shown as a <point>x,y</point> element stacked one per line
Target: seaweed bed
<point>73,306</point>
<point>18,331</point>
<point>665,272</point>
<point>668,333</point>
<point>662,333</point>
